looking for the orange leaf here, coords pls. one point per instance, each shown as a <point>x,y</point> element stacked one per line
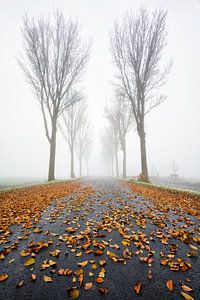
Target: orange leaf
<point>3,277</point>
<point>88,286</point>
<point>47,279</point>
<point>103,290</point>
<point>186,288</point>
<point>170,285</point>
<point>137,287</point>
<point>83,264</point>
<point>99,279</point>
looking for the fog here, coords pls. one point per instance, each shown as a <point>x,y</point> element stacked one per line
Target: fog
<point>172,129</point>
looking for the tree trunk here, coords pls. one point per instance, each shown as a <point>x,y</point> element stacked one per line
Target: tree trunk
<point>112,167</point>
<point>124,159</point>
<point>144,175</point>
<point>72,162</point>
<point>87,168</point>
<point>80,166</point>
<point>117,165</point>
<point>51,174</point>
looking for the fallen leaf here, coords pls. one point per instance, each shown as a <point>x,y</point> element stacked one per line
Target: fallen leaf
<point>3,277</point>
<point>47,279</point>
<point>186,296</point>
<point>33,277</point>
<point>29,262</point>
<point>99,279</point>
<point>170,285</point>
<point>186,288</point>
<point>137,287</point>
<point>103,290</point>
<point>88,286</point>
<point>150,275</point>
<point>83,264</point>
<point>102,262</point>
<point>74,293</point>
<point>20,283</point>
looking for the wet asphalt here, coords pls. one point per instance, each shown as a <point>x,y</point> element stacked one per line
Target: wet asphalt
<point>110,197</point>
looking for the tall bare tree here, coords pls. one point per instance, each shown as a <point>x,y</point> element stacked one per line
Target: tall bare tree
<point>53,60</point>
<point>72,118</point>
<point>108,150</point>
<point>82,141</point>
<point>120,117</point>
<point>87,155</point>
<point>137,45</point>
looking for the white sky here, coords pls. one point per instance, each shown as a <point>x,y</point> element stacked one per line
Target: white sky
<point>173,129</point>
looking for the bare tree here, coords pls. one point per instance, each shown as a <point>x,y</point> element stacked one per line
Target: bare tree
<point>175,169</point>
<point>82,141</point>
<point>72,120</point>
<point>120,118</point>
<point>108,150</point>
<point>113,134</point>
<point>53,60</point>
<point>137,46</point>
<point>87,155</point>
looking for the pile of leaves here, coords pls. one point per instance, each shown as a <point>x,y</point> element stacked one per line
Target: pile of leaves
<point>166,199</point>
<point>25,205</point>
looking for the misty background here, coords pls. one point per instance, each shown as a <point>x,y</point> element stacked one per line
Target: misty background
<point>172,129</point>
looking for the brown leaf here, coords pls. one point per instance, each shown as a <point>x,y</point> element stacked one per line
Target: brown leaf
<point>186,288</point>
<point>102,262</point>
<point>83,264</point>
<point>20,283</point>
<point>150,275</point>
<point>170,285</point>
<point>99,279</point>
<point>88,286</point>
<point>33,277</point>
<point>103,290</point>
<point>74,293</point>
<point>29,262</point>
<point>137,287</point>
<point>3,277</point>
<point>47,279</point>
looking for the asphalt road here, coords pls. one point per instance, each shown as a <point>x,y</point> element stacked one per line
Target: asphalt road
<point>111,211</point>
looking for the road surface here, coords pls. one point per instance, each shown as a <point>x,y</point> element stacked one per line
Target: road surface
<point>102,222</point>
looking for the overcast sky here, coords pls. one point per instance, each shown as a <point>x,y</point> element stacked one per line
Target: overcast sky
<point>173,129</point>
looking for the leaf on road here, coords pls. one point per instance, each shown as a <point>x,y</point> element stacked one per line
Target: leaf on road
<point>186,288</point>
<point>186,296</point>
<point>83,263</point>
<point>170,285</point>
<point>74,293</point>
<point>29,262</point>
<point>21,283</point>
<point>137,287</point>
<point>47,279</point>
<point>103,290</point>
<point>88,286</point>
<point>4,277</point>
<point>33,277</point>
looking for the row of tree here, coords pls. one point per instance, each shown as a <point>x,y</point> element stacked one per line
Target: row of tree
<point>137,44</point>
<point>76,131</point>
<point>54,61</point>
